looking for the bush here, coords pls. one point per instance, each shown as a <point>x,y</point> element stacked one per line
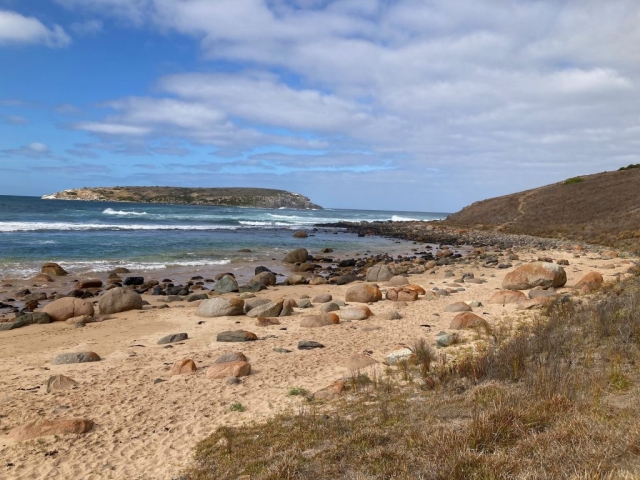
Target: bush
<point>572,180</point>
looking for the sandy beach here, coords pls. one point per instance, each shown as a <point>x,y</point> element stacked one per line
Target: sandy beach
<point>146,429</point>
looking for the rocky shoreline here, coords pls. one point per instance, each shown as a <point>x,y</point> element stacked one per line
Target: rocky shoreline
<point>435,232</point>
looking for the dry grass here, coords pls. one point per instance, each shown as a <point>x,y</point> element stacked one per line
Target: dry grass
<point>600,209</point>
<point>555,399</point>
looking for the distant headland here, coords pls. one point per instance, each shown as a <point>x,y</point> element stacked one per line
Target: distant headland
<point>235,196</point>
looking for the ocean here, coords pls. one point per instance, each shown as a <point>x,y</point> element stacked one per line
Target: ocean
<point>94,237</point>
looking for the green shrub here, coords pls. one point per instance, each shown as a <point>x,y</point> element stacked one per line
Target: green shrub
<point>630,167</point>
<point>237,407</point>
<point>573,180</point>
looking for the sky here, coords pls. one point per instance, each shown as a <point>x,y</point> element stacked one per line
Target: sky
<point>374,104</point>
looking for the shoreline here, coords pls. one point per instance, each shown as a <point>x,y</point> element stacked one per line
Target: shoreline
<point>148,421</point>
<point>434,232</point>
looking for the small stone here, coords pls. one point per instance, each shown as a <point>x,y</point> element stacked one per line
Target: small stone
<point>174,337</point>
<point>329,307</point>
<point>236,336</point>
<point>389,315</point>
<point>78,357</point>
<point>59,382</point>
<point>228,369</point>
<point>184,366</point>
<point>309,345</point>
<point>231,357</point>
<point>281,350</point>
<point>359,361</point>
<point>457,307</point>
<point>323,298</point>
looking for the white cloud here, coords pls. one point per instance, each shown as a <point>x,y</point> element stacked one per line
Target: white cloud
<point>18,29</point>
<point>470,88</point>
<point>32,150</point>
<point>107,128</point>
<point>87,28</point>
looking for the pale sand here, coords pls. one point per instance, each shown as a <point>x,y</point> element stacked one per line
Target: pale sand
<point>147,431</point>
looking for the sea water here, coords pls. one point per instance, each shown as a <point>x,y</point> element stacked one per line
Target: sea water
<point>86,237</point>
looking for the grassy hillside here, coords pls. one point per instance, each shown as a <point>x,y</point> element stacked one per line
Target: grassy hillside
<point>603,208</point>
<point>239,197</point>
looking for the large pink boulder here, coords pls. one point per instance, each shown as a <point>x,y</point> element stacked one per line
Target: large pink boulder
<point>68,307</point>
<point>535,274</point>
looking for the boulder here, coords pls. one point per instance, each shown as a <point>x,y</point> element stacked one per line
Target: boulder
<point>296,280</point>
<point>226,284</point>
<point>231,357</point>
<point>416,288</point>
<point>236,336</point>
<point>174,337</point>
<point>396,356</point>
<point>266,278</point>
<point>267,321</point>
<point>53,269</point>
<point>12,325</point>
<point>304,267</point>
<point>76,357</point>
<point>220,307</point>
<point>332,391</point>
<point>184,366</point>
<point>34,318</point>
<point>346,279</point>
<point>360,312</point>
<point>304,303</point>
<point>271,309</point>
<point>88,283</point>
<point>537,302</point>
<point>41,428</point>
<point>133,281</point>
<point>59,382</point>
<point>358,362</point>
<point>468,320</point>
<point>457,307</point>
<point>300,234</point>
<point>329,307</point>
<point>287,307</point>
<point>504,297</point>
<point>119,299</point>
<point>316,321</point>
<point>318,280</point>
<point>297,256</point>
<point>42,277</point>
<point>444,339</point>
<point>590,282</point>
<point>363,293</point>
<point>389,315</point>
<point>251,303</point>
<point>322,298</point>
<point>228,369</point>
<point>535,274</point>
<point>398,281</point>
<point>402,295</point>
<point>380,273</point>
<point>68,307</point>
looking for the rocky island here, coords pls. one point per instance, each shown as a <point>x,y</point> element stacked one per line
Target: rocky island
<point>236,197</point>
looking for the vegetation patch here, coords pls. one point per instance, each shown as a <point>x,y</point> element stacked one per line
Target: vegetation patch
<point>572,180</point>
<point>552,399</point>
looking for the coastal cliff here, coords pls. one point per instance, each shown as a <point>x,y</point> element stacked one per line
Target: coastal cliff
<point>236,197</point>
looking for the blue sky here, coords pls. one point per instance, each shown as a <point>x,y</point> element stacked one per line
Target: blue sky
<point>407,105</point>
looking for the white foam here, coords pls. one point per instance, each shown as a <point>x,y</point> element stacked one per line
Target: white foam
<point>263,224</point>
<point>42,226</point>
<point>111,211</point>
<point>398,218</point>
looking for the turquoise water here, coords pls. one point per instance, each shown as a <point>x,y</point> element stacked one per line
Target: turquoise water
<point>98,236</point>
